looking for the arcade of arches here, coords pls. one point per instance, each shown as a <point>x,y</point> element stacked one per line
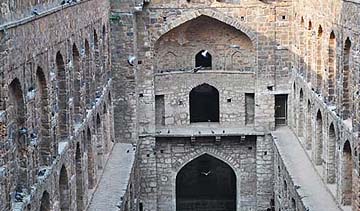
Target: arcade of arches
<point>219,104</point>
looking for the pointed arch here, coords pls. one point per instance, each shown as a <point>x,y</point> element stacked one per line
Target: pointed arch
<point>319,68</point>
<point>17,115</point>
<point>346,174</point>
<point>79,178</point>
<point>308,126</point>
<point>332,68</point>
<point>203,59</point>
<point>42,110</point>
<point>309,49</point>
<point>301,120</point>
<point>204,104</point>
<point>98,68</point>
<point>62,99</point>
<point>90,161</point>
<point>100,142</point>
<point>208,179</point>
<point>64,190</point>
<point>319,139</point>
<point>189,15</point>
<point>77,85</point>
<point>331,164</point>
<point>346,92</point>
<point>45,202</point>
<point>88,75</point>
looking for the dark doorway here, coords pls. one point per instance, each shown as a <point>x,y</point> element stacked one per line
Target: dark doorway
<point>206,183</point>
<point>204,104</point>
<point>281,109</point>
<point>203,60</point>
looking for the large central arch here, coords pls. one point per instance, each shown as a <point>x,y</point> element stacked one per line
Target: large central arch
<point>206,183</point>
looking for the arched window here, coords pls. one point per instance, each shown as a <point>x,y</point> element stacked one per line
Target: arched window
<point>204,104</point>
<point>203,60</point>
<point>206,183</point>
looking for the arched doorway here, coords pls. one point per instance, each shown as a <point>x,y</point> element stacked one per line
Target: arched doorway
<point>45,202</point>
<point>64,190</point>
<point>203,59</point>
<point>308,127</point>
<point>346,174</point>
<point>204,104</point>
<point>206,183</point>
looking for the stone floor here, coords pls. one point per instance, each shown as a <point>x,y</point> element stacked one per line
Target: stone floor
<point>114,180</point>
<point>315,194</point>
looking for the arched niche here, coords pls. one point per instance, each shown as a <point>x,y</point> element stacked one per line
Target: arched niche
<point>202,33</point>
<point>206,183</point>
<point>204,104</point>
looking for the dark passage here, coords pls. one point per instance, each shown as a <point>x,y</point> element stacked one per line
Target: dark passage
<point>204,104</point>
<point>203,59</point>
<point>206,184</point>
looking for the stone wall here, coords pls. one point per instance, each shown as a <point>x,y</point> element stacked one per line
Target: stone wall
<point>286,196</point>
<point>56,106</point>
<point>176,89</point>
<point>325,91</point>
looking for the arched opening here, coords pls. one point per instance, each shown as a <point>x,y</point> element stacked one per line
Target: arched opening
<point>293,204</point>
<point>91,166</point>
<point>18,133</point>
<point>319,139</point>
<point>42,113</point>
<point>79,178</point>
<point>301,120</point>
<point>331,68</point>
<point>88,75</point>
<point>346,102</point>
<point>64,190</point>
<point>100,144</point>
<point>98,68</point>
<point>331,155</point>
<point>301,47</point>
<point>204,104</point>
<point>309,53</point>
<point>62,96</point>
<point>319,71</point>
<point>346,173</point>
<point>203,59</point>
<point>106,132</point>
<point>206,183</point>
<point>308,127</point>
<point>45,202</point>
<point>76,81</point>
